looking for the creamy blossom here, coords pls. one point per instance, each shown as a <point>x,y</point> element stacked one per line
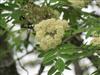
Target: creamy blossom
<point>49,33</point>
<point>96,41</point>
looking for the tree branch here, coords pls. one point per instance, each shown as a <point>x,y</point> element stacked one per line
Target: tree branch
<point>78,70</point>
<point>41,69</point>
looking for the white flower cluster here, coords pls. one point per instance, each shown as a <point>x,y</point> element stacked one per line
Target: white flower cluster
<point>96,41</point>
<point>49,33</point>
<point>79,3</point>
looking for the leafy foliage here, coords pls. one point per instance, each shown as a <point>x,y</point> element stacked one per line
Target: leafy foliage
<point>64,54</point>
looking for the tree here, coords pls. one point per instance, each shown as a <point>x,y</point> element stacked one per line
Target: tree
<point>57,38</point>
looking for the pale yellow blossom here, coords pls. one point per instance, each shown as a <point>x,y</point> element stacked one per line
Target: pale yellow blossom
<point>79,3</point>
<point>96,41</point>
<point>49,33</point>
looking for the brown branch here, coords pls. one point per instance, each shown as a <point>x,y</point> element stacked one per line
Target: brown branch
<point>66,39</point>
<point>77,67</point>
<point>93,59</point>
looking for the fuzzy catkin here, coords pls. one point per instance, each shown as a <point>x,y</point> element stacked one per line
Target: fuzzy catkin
<point>49,33</point>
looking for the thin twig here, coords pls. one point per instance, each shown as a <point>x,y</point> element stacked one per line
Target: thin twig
<point>27,38</point>
<point>41,69</point>
<point>70,37</point>
<point>22,66</point>
<point>24,55</point>
<point>77,67</point>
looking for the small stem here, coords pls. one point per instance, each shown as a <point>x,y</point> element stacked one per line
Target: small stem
<point>41,69</point>
<point>22,66</point>
<point>93,59</point>
<point>78,70</point>
<point>24,55</point>
<point>71,37</point>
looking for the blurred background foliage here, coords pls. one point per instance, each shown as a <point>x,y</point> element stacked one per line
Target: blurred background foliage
<point>24,14</point>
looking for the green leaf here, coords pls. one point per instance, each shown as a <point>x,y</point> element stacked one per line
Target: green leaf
<point>57,73</point>
<point>60,65</point>
<point>68,49</point>
<point>70,57</point>
<point>67,68</point>
<point>97,72</point>
<point>21,2</point>
<point>60,1</point>
<point>65,56</point>
<point>52,70</point>
<point>49,56</point>
<point>2,23</point>
<point>68,14</point>
<point>16,15</point>
<point>10,6</point>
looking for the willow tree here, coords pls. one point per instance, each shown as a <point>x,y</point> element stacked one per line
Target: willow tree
<point>54,29</point>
